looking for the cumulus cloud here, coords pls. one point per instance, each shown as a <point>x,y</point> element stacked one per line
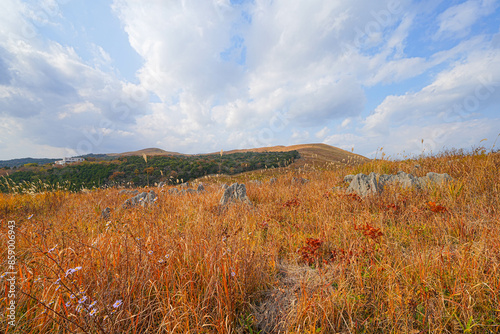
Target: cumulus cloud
<point>457,93</point>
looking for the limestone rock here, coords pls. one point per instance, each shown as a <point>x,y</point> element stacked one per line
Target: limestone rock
<point>106,213</point>
<point>173,191</point>
<point>299,180</point>
<point>364,184</point>
<point>234,192</point>
<point>143,199</point>
<point>374,183</point>
<point>130,192</point>
<point>348,178</point>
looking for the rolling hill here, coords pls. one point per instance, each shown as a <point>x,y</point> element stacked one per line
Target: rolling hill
<point>311,154</point>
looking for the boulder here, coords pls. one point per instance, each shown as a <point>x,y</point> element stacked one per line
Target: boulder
<point>143,199</point>
<point>234,192</point>
<point>299,180</point>
<point>348,178</point>
<point>364,184</point>
<point>437,178</point>
<point>173,191</point>
<point>106,213</point>
<point>127,191</point>
<point>201,188</point>
<point>374,183</point>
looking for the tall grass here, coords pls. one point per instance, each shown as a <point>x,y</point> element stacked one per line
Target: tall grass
<point>304,258</point>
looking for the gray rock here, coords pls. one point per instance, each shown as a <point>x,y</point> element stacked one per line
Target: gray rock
<point>234,192</point>
<point>161,184</point>
<point>348,178</point>
<point>143,199</point>
<point>364,184</point>
<point>189,191</point>
<point>184,185</point>
<point>438,178</point>
<point>106,213</point>
<point>130,192</point>
<point>173,191</point>
<point>374,183</point>
<point>201,188</point>
<point>224,186</point>
<point>299,180</point>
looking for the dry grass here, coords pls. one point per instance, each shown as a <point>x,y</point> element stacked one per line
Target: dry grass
<point>302,259</point>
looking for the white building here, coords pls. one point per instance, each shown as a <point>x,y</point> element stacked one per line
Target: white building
<point>68,161</point>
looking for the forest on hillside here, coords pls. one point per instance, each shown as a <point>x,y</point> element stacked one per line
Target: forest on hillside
<point>135,171</point>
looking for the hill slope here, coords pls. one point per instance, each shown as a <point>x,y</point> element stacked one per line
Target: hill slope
<point>147,151</point>
<point>311,154</point>
<point>314,154</point>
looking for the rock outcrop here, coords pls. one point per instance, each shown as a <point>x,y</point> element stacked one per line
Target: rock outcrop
<point>106,213</point>
<point>235,192</point>
<point>143,199</point>
<point>175,191</point>
<point>374,183</point>
<point>299,180</point>
<point>128,191</point>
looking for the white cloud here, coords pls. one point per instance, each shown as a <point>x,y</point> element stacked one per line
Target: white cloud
<point>468,87</point>
<point>322,133</point>
<point>457,20</point>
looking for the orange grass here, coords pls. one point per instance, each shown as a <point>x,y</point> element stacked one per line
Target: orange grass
<point>301,259</point>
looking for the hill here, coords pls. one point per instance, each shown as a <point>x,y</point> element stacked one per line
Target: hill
<point>314,154</point>
<point>24,161</point>
<point>147,151</point>
<point>311,154</point>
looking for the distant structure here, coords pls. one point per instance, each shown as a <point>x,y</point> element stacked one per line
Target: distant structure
<point>68,161</point>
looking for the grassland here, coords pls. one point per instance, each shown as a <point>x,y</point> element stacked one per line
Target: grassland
<point>302,259</point>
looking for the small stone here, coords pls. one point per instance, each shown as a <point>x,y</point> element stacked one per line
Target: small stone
<point>299,180</point>
<point>173,191</point>
<point>106,213</point>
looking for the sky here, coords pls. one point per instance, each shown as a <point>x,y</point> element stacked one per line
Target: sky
<point>400,77</point>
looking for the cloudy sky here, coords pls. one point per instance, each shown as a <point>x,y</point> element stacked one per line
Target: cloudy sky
<point>193,76</point>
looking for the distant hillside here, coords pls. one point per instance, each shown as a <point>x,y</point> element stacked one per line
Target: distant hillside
<point>313,154</point>
<point>147,151</point>
<point>23,161</point>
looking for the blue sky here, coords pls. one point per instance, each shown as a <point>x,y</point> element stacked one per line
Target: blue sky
<point>198,76</point>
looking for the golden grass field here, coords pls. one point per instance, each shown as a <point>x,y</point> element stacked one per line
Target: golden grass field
<point>302,259</point>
